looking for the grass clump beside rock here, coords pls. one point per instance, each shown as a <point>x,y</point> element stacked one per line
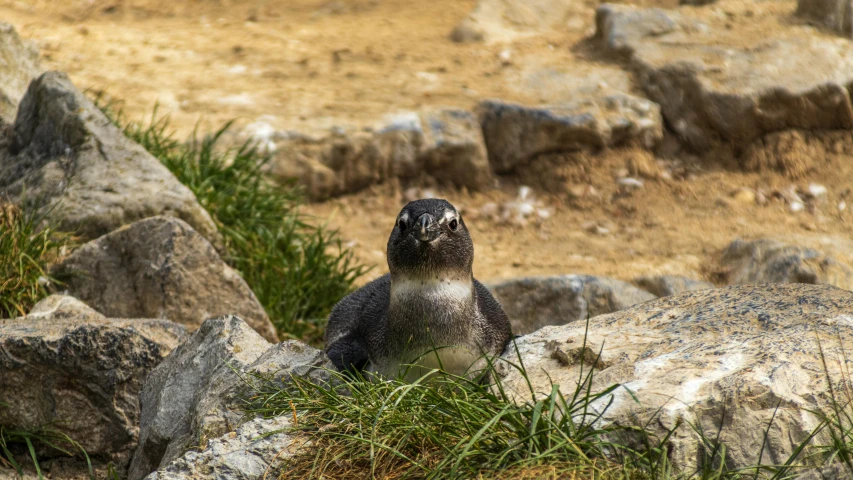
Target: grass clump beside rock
<point>29,243</point>
<point>297,269</point>
<point>450,427</point>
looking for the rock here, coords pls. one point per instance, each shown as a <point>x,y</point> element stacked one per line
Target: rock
<point>505,20</point>
<point>515,134</point>
<point>67,366</point>
<point>727,356</point>
<point>444,144</point>
<point>712,88</point>
<point>465,34</point>
<point>160,268</point>
<point>20,64</point>
<point>534,302</point>
<point>837,15</point>
<point>253,452</point>
<point>666,285</point>
<point>770,261</point>
<point>64,149</point>
<point>192,396</point>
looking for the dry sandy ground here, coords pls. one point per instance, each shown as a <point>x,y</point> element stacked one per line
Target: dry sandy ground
<point>303,64</point>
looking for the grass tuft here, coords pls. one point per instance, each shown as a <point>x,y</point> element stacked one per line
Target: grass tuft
<point>297,269</point>
<point>28,244</point>
<point>26,442</point>
<point>446,426</point>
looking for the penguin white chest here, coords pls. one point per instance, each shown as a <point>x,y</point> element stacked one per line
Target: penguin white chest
<point>436,314</point>
<point>438,291</point>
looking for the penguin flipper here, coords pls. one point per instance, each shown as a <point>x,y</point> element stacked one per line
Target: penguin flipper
<point>356,317</point>
<point>348,355</point>
<point>499,328</point>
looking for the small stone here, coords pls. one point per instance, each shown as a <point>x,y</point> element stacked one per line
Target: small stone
<point>816,190</point>
<point>744,195</point>
<point>723,202</point>
<point>505,57</point>
<point>797,206</point>
<point>630,182</point>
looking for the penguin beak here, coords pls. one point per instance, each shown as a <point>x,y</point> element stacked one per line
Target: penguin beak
<point>426,228</point>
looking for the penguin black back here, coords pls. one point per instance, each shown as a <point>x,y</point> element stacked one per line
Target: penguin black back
<point>429,300</point>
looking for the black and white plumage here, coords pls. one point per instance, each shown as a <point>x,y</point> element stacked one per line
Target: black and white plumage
<point>428,311</point>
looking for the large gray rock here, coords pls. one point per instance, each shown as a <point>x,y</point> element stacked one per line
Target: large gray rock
<point>711,88</point>
<point>515,134</point>
<point>254,451</point>
<point>834,14</point>
<point>67,366</point>
<point>160,268</point>
<point>728,356</point>
<point>665,285</point>
<point>771,261</point>
<point>19,64</point>
<point>64,149</point>
<point>534,302</point>
<point>443,144</point>
<point>195,393</point>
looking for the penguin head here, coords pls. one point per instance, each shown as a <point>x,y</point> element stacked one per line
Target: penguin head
<point>430,238</point>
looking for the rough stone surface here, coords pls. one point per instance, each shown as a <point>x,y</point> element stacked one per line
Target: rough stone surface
<point>64,149</point>
<point>534,302</point>
<point>19,64</point>
<point>771,261</point>
<point>191,397</point>
<point>66,365</point>
<point>665,285</point>
<point>712,87</point>
<point>253,452</point>
<point>443,144</point>
<point>160,268</point>
<point>726,356</point>
<point>505,20</point>
<point>515,134</point>
<point>834,14</point>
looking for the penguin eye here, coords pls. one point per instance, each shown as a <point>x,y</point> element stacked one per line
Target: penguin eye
<point>454,224</point>
<point>402,224</point>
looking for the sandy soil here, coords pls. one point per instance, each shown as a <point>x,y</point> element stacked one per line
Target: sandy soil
<point>304,64</point>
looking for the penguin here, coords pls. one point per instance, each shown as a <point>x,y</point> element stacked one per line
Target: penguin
<point>429,312</point>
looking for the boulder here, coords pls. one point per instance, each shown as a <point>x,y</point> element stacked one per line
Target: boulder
<point>534,302</point>
<point>63,149</point>
<point>665,285</point>
<point>443,144</point>
<point>728,360</point>
<point>505,20</point>
<point>770,261</point>
<point>514,134</point>
<point>713,88</point>
<point>836,15</point>
<point>160,268</point>
<point>66,365</point>
<point>253,452</point>
<point>19,64</point>
<point>195,393</point>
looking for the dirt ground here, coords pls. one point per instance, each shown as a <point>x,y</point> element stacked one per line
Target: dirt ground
<point>304,64</point>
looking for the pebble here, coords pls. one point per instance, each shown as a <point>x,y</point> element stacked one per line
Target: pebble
<point>744,195</point>
<point>797,206</point>
<point>816,190</point>
<point>630,182</point>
